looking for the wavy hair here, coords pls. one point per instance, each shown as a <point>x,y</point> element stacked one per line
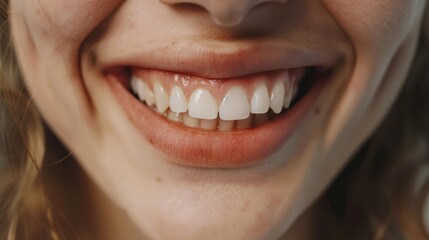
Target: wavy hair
<point>22,148</point>
<point>384,191</point>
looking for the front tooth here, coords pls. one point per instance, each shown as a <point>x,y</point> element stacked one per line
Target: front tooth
<point>235,105</point>
<point>150,99</point>
<point>288,96</point>
<point>178,101</point>
<point>260,100</point>
<point>161,97</point>
<point>202,105</point>
<point>277,96</point>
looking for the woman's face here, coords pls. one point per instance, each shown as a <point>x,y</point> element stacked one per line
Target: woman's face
<point>201,156</point>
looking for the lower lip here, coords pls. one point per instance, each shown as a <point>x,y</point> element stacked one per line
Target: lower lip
<point>212,149</point>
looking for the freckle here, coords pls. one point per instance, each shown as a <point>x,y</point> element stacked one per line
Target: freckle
<point>158,179</point>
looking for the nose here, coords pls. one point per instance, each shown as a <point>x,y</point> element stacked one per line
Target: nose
<point>225,12</point>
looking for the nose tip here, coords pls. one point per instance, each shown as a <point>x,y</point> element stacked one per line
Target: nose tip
<point>225,12</point>
<point>228,13</point>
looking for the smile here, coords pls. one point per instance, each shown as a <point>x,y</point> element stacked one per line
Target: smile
<point>217,105</point>
<point>216,122</point>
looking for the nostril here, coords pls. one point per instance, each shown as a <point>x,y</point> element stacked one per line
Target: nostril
<point>169,2</point>
<point>188,8</point>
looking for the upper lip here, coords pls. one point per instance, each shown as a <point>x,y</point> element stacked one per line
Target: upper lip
<point>221,61</point>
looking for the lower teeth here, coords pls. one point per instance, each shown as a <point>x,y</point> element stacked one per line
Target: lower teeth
<point>218,124</point>
<point>254,120</point>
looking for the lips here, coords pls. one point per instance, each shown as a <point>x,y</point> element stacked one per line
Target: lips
<point>216,60</point>
<point>200,133</point>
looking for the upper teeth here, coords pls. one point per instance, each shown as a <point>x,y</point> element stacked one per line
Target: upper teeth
<point>260,100</point>
<point>202,105</point>
<point>235,104</point>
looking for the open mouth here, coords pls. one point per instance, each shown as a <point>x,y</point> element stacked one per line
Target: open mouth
<point>220,104</point>
<point>216,123</point>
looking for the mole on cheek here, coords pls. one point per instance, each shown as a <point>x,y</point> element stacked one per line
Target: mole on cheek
<point>158,179</point>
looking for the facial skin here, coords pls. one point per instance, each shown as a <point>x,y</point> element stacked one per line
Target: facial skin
<point>62,46</point>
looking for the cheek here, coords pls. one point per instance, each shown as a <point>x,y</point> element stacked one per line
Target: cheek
<point>375,25</point>
<point>47,36</point>
<point>59,24</point>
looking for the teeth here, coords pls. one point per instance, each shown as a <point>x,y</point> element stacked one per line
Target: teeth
<point>178,101</point>
<point>201,109</point>
<point>161,97</point>
<point>260,119</point>
<point>245,123</point>
<point>295,91</point>
<point>190,121</point>
<point>174,116</point>
<point>235,105</point>
<point>208,124</point>
<point>202,105</point>
<point>277,96</point>
<point>260,100</point>
<point>288,96</point>
<point>149,97</point>
<point>140,86</point>
<point>133,83</point>
<point>225,125</point>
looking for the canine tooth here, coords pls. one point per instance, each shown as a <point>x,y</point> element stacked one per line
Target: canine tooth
<point>178,101</point>
<point>288,96</point>
<point>133,84</point>
<point>161,97</point>
<point>140,87</point>
<point>245,123</point>
<point>202,105</point>
<point>225,125</point>
<point>260,100</point>
<point>208,124</point>
<point>190,121</point>
<point>175,116</point>
<point>235,105</point>
<point>277,96</point>
<point>149,97</point>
